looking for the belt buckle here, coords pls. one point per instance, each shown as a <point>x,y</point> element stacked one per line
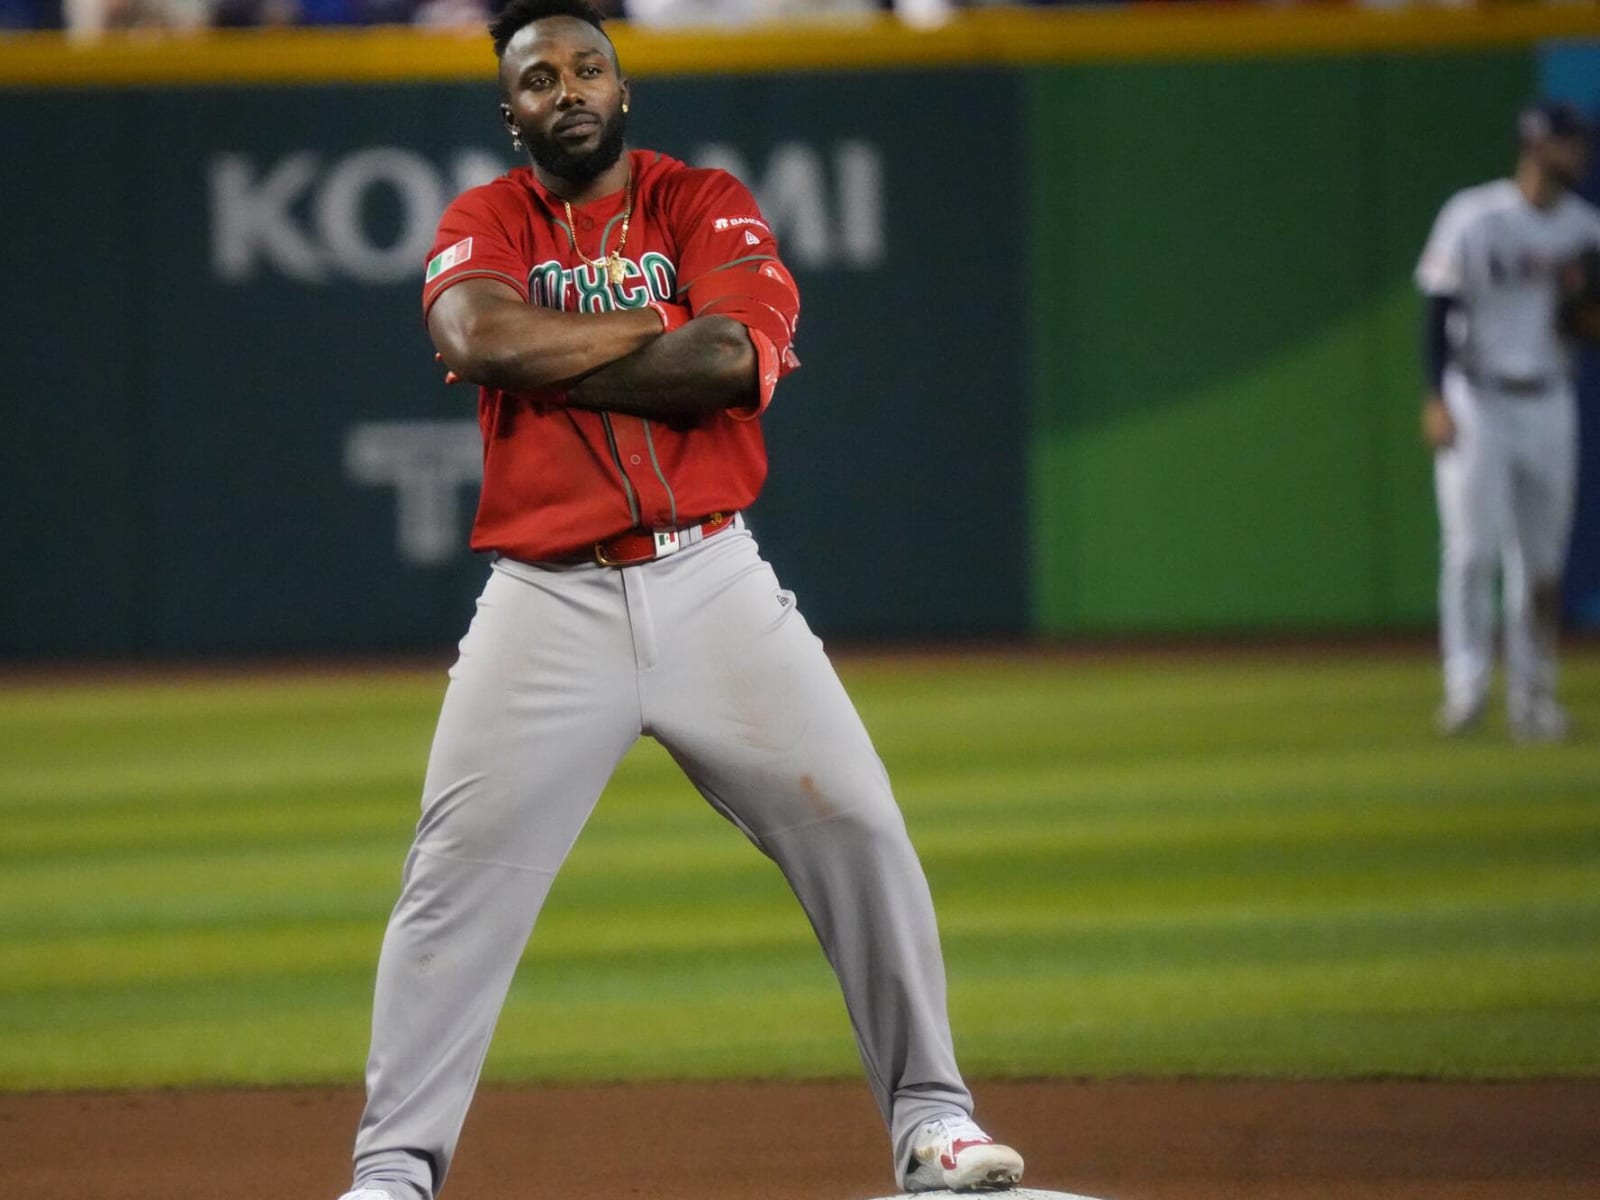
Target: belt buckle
<point>662,543</point>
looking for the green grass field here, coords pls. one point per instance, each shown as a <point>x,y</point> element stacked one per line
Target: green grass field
<point>1213,865</point>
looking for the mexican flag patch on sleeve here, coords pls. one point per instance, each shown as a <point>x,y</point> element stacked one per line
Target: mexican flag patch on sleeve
<point>450,256</point>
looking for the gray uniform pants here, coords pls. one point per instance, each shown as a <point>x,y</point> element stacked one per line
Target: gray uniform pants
<point>1507,491</point>
<point>560,673</point>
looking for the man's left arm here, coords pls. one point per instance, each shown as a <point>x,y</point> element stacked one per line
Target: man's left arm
<point>1579,314</point>
<point>700,367</point>
<point>730,336</point>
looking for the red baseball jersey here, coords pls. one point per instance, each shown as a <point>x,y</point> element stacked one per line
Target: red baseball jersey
<point>558,479</point>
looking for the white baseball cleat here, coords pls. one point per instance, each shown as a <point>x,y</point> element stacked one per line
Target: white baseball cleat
<point>1454,720</point>
<point>953,1153</point>
<point>1538,719</point>
<point>367,1194</point>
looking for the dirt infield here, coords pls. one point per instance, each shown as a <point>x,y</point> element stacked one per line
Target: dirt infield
<point>1120,1140</point>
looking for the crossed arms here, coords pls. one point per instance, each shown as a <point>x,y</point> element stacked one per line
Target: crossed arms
<point>618,362</point>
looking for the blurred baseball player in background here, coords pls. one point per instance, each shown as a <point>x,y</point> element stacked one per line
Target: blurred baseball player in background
<point>626,318</point>
<point>1511,277</point>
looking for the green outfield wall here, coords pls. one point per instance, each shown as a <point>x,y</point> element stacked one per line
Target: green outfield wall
<point>1223,343</point>
<point>1107,320</point>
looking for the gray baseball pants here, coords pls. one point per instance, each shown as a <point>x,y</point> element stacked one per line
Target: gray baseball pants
<point>561,671</point>
<point>1507,491</point>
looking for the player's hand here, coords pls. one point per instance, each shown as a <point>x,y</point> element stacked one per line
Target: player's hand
<point>1438,426</point>
<point>542,399</point>
<point>1578,312</point>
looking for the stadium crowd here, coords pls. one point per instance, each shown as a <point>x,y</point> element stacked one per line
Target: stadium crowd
<point>90,18</point>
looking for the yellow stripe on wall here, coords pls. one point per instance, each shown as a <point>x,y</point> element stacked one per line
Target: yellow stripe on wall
<point>981,38</point>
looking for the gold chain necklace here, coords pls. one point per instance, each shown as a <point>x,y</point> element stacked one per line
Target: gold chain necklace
<point>615,269</point>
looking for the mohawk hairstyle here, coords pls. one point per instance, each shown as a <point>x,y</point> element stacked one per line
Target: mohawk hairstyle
<point>519,13</point>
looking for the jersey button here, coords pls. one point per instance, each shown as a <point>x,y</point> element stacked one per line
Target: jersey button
<point>587,222</point>
<point>634,459</point>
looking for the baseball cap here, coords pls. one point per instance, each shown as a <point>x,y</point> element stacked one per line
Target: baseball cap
<point>1555,118</point>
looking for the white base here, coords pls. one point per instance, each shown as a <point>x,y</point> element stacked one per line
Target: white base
<point>1007,1194</point>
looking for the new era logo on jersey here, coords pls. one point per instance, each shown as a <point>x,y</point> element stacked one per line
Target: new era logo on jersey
<point>449,257</point>
<point>723,224</point>
<point>751,239</point>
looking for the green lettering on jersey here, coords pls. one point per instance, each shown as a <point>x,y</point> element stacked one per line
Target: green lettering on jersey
<point>594,295</point>
<point>652,277</point>
<point>634,290</point>
<point>661,277</point>
<point>547,285</point>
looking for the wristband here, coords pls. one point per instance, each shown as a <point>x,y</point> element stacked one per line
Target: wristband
<point>770,364</point>
<point>673,316</point>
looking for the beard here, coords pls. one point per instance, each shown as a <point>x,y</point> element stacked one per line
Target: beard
<point>581,166</point>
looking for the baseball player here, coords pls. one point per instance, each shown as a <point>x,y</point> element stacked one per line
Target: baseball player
<point>626,319</point>
<point>1504,308</point>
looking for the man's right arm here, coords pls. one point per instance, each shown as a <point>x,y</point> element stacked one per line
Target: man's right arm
<point>488,335</point>
<point>1438,427</point>
<point>1439,278</point>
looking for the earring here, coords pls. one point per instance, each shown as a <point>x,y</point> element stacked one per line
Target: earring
<point>624,107</point>
<point>516,142</point>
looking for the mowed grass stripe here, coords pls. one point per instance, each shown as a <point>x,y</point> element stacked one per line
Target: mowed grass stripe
<point>1364,1017</point>
<point>1481,814</point>
<point>1246,866</point>
<point>248,881</point>
<point>665,949</point>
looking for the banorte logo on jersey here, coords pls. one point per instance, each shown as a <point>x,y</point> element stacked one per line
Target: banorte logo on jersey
<point>723,224</point>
